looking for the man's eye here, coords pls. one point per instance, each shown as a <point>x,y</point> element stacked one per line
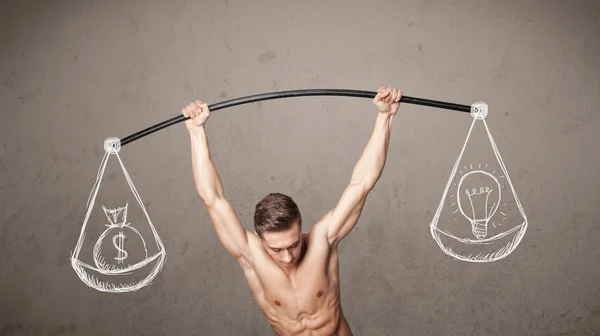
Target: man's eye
<point>276,250</point>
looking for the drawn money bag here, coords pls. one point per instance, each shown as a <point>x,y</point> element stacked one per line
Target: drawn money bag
<point>110,251</point>
<point>126,253</point>
<point>480,217</point>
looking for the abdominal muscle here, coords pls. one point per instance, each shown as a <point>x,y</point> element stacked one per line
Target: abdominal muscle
<point>305,302</point>
<point>328,320</point>
<point>339,329</point>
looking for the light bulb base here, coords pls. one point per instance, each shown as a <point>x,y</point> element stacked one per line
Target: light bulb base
<point>479,229</point>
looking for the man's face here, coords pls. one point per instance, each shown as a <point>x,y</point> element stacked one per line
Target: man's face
<point>285,246</point>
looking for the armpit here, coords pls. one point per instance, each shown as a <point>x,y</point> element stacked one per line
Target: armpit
<point>245,262</point>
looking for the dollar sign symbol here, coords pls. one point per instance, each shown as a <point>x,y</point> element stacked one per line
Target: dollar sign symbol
<point>122,254</point>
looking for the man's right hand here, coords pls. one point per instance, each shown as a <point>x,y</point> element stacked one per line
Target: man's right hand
<point>198,113</point>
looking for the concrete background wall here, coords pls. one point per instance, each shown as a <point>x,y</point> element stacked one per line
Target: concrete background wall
<point>73,73</point>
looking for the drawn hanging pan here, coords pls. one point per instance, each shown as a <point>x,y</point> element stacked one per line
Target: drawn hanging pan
<point>480,217</point>
<point>119,249</point>
<point>118,257</point>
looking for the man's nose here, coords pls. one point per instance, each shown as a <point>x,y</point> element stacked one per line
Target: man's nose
<point>288,256</point>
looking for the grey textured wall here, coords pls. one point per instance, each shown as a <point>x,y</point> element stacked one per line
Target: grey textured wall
<point>73,73</point>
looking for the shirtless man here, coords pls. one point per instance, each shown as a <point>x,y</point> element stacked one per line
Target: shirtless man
<point>293,277</point>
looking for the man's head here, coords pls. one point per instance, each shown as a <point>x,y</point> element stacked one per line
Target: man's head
<point>278,223</point>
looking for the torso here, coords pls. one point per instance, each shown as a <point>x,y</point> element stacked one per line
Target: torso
<point>305,302</point>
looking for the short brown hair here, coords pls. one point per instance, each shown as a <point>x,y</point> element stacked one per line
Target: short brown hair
<point>276,212</point>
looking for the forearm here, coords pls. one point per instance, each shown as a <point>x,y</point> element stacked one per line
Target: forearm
<point>370,165</point>
<point>206,177</point>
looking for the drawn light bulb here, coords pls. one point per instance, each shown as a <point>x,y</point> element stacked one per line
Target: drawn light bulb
<point>480,192</point>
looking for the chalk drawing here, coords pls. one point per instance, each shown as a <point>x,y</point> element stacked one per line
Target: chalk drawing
<point>120,254</point>
<point>480,217</point>
<point>117,233</point>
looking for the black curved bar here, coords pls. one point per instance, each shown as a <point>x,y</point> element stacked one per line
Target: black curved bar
<point>295,93</point>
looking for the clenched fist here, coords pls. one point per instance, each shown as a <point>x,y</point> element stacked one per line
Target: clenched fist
<point>387,100</point>
<point>197,112</point>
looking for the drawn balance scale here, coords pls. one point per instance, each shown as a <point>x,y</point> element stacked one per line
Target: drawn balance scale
<point>479,218</point>
<point>117,267</point>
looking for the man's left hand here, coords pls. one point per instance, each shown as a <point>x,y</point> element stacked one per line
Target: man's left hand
<point>387,100</point>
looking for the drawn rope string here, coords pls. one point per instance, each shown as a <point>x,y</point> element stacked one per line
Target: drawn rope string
<point>113,148</point>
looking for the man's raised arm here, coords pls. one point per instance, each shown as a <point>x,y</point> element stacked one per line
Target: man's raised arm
<point>338,223</point>
<point>225,221</point>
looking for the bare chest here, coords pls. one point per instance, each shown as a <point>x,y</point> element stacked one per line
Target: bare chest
<point>307,298</point>
<point>308,292</point>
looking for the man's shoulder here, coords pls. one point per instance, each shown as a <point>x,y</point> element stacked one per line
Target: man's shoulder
<point>253,239</point>
<point>320,231</point>
<point>318,236</point>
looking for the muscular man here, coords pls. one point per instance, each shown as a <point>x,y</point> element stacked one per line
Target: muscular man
<point>293,277</point>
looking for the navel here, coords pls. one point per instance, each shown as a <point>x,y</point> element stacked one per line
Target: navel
<point>277,303</point>
<point>320,293</point>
